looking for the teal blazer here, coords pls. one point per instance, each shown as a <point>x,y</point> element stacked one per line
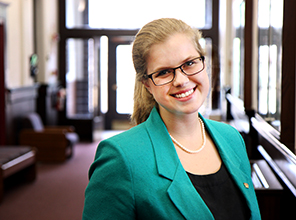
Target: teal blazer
<point>138,175</point>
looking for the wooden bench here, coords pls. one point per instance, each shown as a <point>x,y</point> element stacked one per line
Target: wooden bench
<point>16,159</point>
<point>268,189</point>
<point>281,161</point>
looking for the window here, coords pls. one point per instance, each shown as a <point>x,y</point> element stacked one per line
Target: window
<point>270,21</point>
<point>238,49</point>
<point>125,79</point>
<point>129,14</point>
<point>81,80</point>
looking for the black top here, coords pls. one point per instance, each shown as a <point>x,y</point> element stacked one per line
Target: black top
<point>221,195</point>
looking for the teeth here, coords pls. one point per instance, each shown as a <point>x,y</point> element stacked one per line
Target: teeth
<point>183,95</point>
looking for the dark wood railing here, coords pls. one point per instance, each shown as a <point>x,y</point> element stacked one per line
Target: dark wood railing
<point>280,159</point>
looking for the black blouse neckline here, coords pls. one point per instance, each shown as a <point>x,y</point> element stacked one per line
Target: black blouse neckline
<point>221,194</point>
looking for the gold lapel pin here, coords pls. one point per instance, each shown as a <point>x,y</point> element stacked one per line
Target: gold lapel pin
<point>246,185</point>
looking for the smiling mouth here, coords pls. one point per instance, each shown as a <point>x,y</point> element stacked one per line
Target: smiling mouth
<point>185,94</point>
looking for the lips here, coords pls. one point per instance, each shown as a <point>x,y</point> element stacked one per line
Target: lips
<point>184,94</point>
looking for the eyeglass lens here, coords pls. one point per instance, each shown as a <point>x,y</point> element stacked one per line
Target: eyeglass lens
<point>189,68</point>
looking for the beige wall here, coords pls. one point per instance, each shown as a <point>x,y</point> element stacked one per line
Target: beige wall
<point>47,40</point>
<point>20,41</point>
<point>225,37</point>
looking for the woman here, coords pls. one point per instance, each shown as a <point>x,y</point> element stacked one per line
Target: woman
<point>174,164</point>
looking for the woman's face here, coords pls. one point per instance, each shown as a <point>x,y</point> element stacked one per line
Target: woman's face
<point>186,94</point>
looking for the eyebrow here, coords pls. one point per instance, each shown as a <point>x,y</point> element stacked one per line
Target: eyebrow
<point>184,61</point>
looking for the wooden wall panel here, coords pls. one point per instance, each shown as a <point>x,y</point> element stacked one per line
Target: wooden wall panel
<point>288,75</point>
<point>2,87</point>
<point>19,102</point>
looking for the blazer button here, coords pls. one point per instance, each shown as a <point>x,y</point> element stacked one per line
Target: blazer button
<point>246,185</point>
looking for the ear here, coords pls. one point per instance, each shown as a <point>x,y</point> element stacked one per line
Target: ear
<point>147,86</point>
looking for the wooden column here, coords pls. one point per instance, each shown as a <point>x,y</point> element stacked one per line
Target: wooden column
<point>288,75</point>
<point>248,38</point>
<point>2,87</point>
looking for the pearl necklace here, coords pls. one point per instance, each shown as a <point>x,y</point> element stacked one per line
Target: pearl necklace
<point>193,151</point>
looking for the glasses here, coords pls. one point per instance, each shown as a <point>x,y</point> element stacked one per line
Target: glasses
<point>189,68</point>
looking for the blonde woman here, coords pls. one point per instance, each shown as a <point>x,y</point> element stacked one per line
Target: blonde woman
<point>174,164</point>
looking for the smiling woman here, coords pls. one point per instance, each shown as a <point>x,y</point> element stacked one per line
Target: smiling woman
<point>153,170</point>
<point>191,87</point>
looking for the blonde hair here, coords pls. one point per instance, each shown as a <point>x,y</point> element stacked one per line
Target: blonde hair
<point>155,32</point>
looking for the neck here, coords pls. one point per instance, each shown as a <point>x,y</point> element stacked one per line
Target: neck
<point>181,125</point>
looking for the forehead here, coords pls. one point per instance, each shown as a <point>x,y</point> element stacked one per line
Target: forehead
<point>175,50</point>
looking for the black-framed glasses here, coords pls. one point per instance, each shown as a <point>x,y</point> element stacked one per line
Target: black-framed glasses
<point>189,68</point>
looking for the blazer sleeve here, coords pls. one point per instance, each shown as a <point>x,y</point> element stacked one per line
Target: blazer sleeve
<point>109,194</point>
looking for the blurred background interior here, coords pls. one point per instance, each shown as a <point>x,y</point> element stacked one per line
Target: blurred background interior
<point>66,82</point>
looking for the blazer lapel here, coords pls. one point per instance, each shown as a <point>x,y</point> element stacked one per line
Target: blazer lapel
<point>181,191</point>
<point>185,197</point>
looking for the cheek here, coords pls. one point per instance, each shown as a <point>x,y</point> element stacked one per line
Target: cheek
<point>159,93</point>
<point>156,92</point>
<point>204,79</point>
<point>206,86</point>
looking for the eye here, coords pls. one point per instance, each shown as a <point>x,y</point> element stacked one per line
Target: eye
<point>190,63</point>
<point>163,73</point>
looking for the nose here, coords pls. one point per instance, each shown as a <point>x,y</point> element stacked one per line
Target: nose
<point>180,78</point>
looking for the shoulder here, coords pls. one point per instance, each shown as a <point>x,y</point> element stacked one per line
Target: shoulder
<point>224,134</point>
<point>141,134</point>
<point>122,150</point>
<point>220,127</point>
<point>127,145</point>
<point>129,137</point>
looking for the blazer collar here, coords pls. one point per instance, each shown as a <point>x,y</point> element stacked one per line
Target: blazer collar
<point>166,157</point>
<point>227,153</point>
<point>165,153</point>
